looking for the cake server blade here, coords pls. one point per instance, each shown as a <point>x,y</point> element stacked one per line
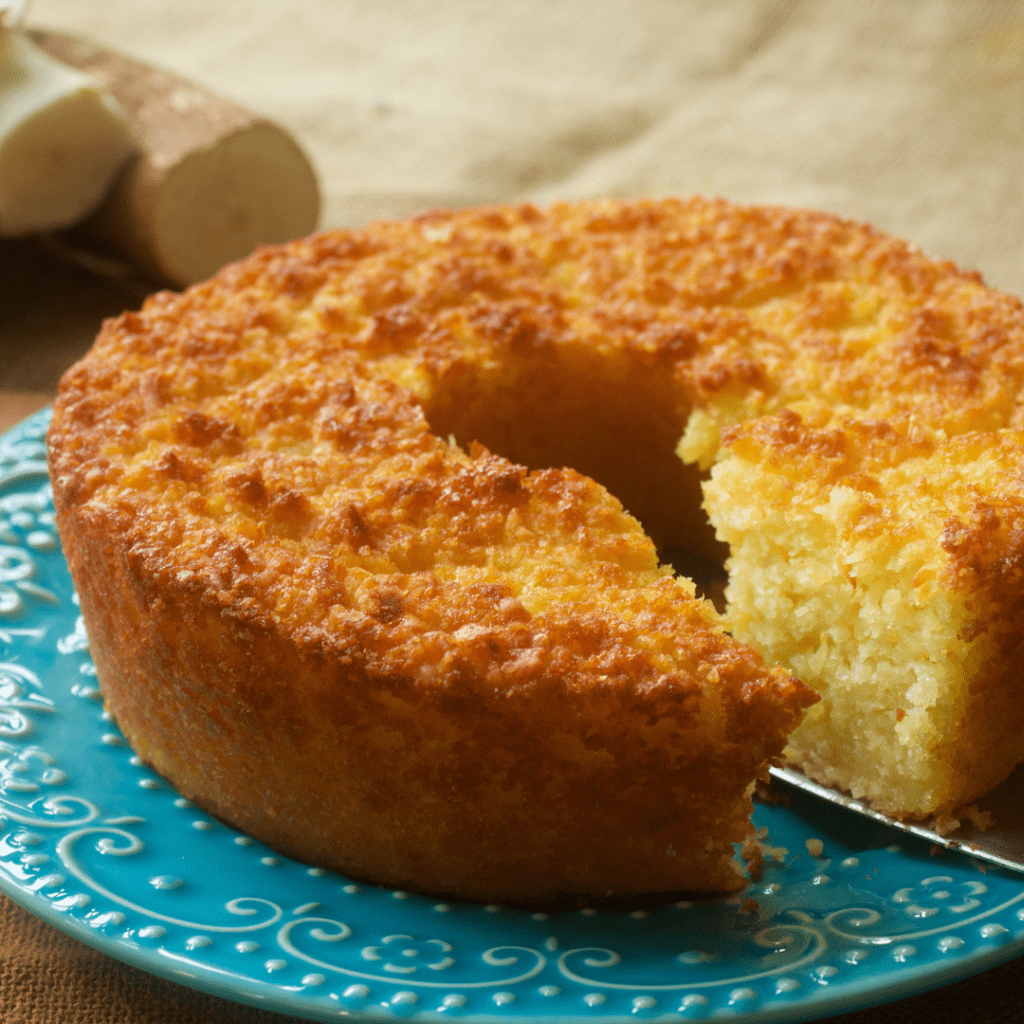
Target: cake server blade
<point>1001,844</point>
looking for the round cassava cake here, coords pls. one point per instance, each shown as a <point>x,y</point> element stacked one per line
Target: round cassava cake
<point>343,589</point>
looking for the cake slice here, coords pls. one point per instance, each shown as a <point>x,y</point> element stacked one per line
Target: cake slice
<point>883,563</point>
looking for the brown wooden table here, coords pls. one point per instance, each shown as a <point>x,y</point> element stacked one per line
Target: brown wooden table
<point>50,309</point>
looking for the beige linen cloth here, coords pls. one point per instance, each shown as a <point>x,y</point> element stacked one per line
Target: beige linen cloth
<point>906,114</point>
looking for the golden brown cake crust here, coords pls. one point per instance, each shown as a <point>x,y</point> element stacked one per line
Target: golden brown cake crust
<point>375,650</point>
<point>387,653</point>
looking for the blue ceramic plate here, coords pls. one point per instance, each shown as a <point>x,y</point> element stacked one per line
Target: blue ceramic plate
<point>96,844</point>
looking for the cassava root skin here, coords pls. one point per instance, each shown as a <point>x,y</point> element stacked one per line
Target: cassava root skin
<point>212,180</point>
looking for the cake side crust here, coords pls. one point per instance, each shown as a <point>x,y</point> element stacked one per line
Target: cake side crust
<point>319,754</point>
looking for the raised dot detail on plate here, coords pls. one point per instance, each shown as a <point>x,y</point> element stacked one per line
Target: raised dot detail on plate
<point>893,848</point>
<point>824,973</point>
<point>247,946</point>
<point>356,992</point>
<point>270,861</point>
<point>694,956</point>
<point>135,761</point>
<point>786,985</point>
<point>503,998</point>
<point>246,841</point>
<point>492,908</point>
<point>312,872</point>
<point>692,1001</point>
<point>34,860</point>
<point>851,862</point>
<point>166,882</point>
<point>79,900</point>
<point>51,881</point>
<point>903,953</point>
<point>400,894</point>
<point>40,540</point>
<point>742,995</point>
<point>990,931</point>
<point>594,998</point>
<point>182,802</point>
<point>551,944</point>
<point>820,880</point>
<point>855,956</point>
<point>442,908</point>
<point>198,942</point>
<point>149,784</point>
<point>111,739</point>
<point>350,889</point>
<point>540,916</point>
<point>588,911</point>
<point>275,965</point>
<point>153,931</point>
<point>312,980</point>
<point>202,826</point>
<point>28,839</point>
<point>687,904</point>
<point>644,1002</point>
<point>949,943</point>
<point>111,917</point>
<point>549,990</point>
<point>405,998</point>
<point>455,999</point>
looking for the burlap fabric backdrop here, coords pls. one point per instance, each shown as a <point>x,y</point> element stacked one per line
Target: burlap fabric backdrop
<point>907,114</point>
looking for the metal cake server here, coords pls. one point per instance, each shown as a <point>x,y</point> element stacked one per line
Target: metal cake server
<point>1002,843</point>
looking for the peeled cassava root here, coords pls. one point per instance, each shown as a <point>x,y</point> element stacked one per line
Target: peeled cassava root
<point>210,183</point>
<point>63,137</point>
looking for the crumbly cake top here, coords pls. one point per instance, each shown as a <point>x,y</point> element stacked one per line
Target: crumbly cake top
<point>949,510</point>
<point>266,437</point>
<point>749,308</point>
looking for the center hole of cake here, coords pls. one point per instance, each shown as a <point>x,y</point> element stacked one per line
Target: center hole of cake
<point>614,422</point>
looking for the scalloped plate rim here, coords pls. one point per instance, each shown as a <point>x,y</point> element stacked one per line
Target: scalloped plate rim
<point>817,1007</point>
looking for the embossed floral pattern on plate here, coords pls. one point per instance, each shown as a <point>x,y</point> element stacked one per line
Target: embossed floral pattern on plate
<point>92,841</point>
